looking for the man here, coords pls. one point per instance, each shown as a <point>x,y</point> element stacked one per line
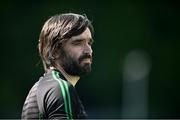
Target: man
<point>65,49</point>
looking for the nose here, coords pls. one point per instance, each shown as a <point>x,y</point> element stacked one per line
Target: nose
<point>88,49</point>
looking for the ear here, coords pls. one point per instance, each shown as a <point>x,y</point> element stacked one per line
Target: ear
<point>57,51</point>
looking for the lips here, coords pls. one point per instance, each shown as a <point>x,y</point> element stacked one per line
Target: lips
<point>86,59</point>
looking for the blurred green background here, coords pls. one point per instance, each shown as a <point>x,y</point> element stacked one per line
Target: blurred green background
<point>135,72</point>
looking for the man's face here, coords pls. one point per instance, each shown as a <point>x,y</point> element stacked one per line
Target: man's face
<point>77,54</point>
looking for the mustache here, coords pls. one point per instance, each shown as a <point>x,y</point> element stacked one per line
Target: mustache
<point>85,56</point>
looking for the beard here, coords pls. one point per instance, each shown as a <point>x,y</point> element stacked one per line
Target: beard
<point>74,66</point>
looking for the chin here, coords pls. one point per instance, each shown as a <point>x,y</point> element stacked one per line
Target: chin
<point>87,70</point>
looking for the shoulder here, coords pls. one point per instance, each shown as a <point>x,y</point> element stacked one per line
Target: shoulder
<point>52,86</point>
<point>54,94</point>
<point>61,82</point>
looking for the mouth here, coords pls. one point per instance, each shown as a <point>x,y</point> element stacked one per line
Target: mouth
<point>87,60</point>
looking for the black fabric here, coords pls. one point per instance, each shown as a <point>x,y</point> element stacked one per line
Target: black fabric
<point>45,100</point>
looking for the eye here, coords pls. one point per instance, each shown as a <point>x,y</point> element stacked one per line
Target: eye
<point>90,41</point>
<point>77,42</point>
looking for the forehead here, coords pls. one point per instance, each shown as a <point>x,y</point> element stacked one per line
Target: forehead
<point>85,35</point>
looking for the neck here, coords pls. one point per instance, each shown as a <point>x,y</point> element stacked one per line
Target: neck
<point>71,78</point>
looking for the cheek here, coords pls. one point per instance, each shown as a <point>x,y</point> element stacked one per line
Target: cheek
<point>75,53</point>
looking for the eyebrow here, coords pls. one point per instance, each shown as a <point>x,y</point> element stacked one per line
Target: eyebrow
<point>90,39</point>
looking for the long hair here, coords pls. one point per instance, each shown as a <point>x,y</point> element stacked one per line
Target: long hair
<point>57,29</point>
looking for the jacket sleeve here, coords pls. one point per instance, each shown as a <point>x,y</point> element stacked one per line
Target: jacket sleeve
<point>52,101</point>
<point>54,104</point>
